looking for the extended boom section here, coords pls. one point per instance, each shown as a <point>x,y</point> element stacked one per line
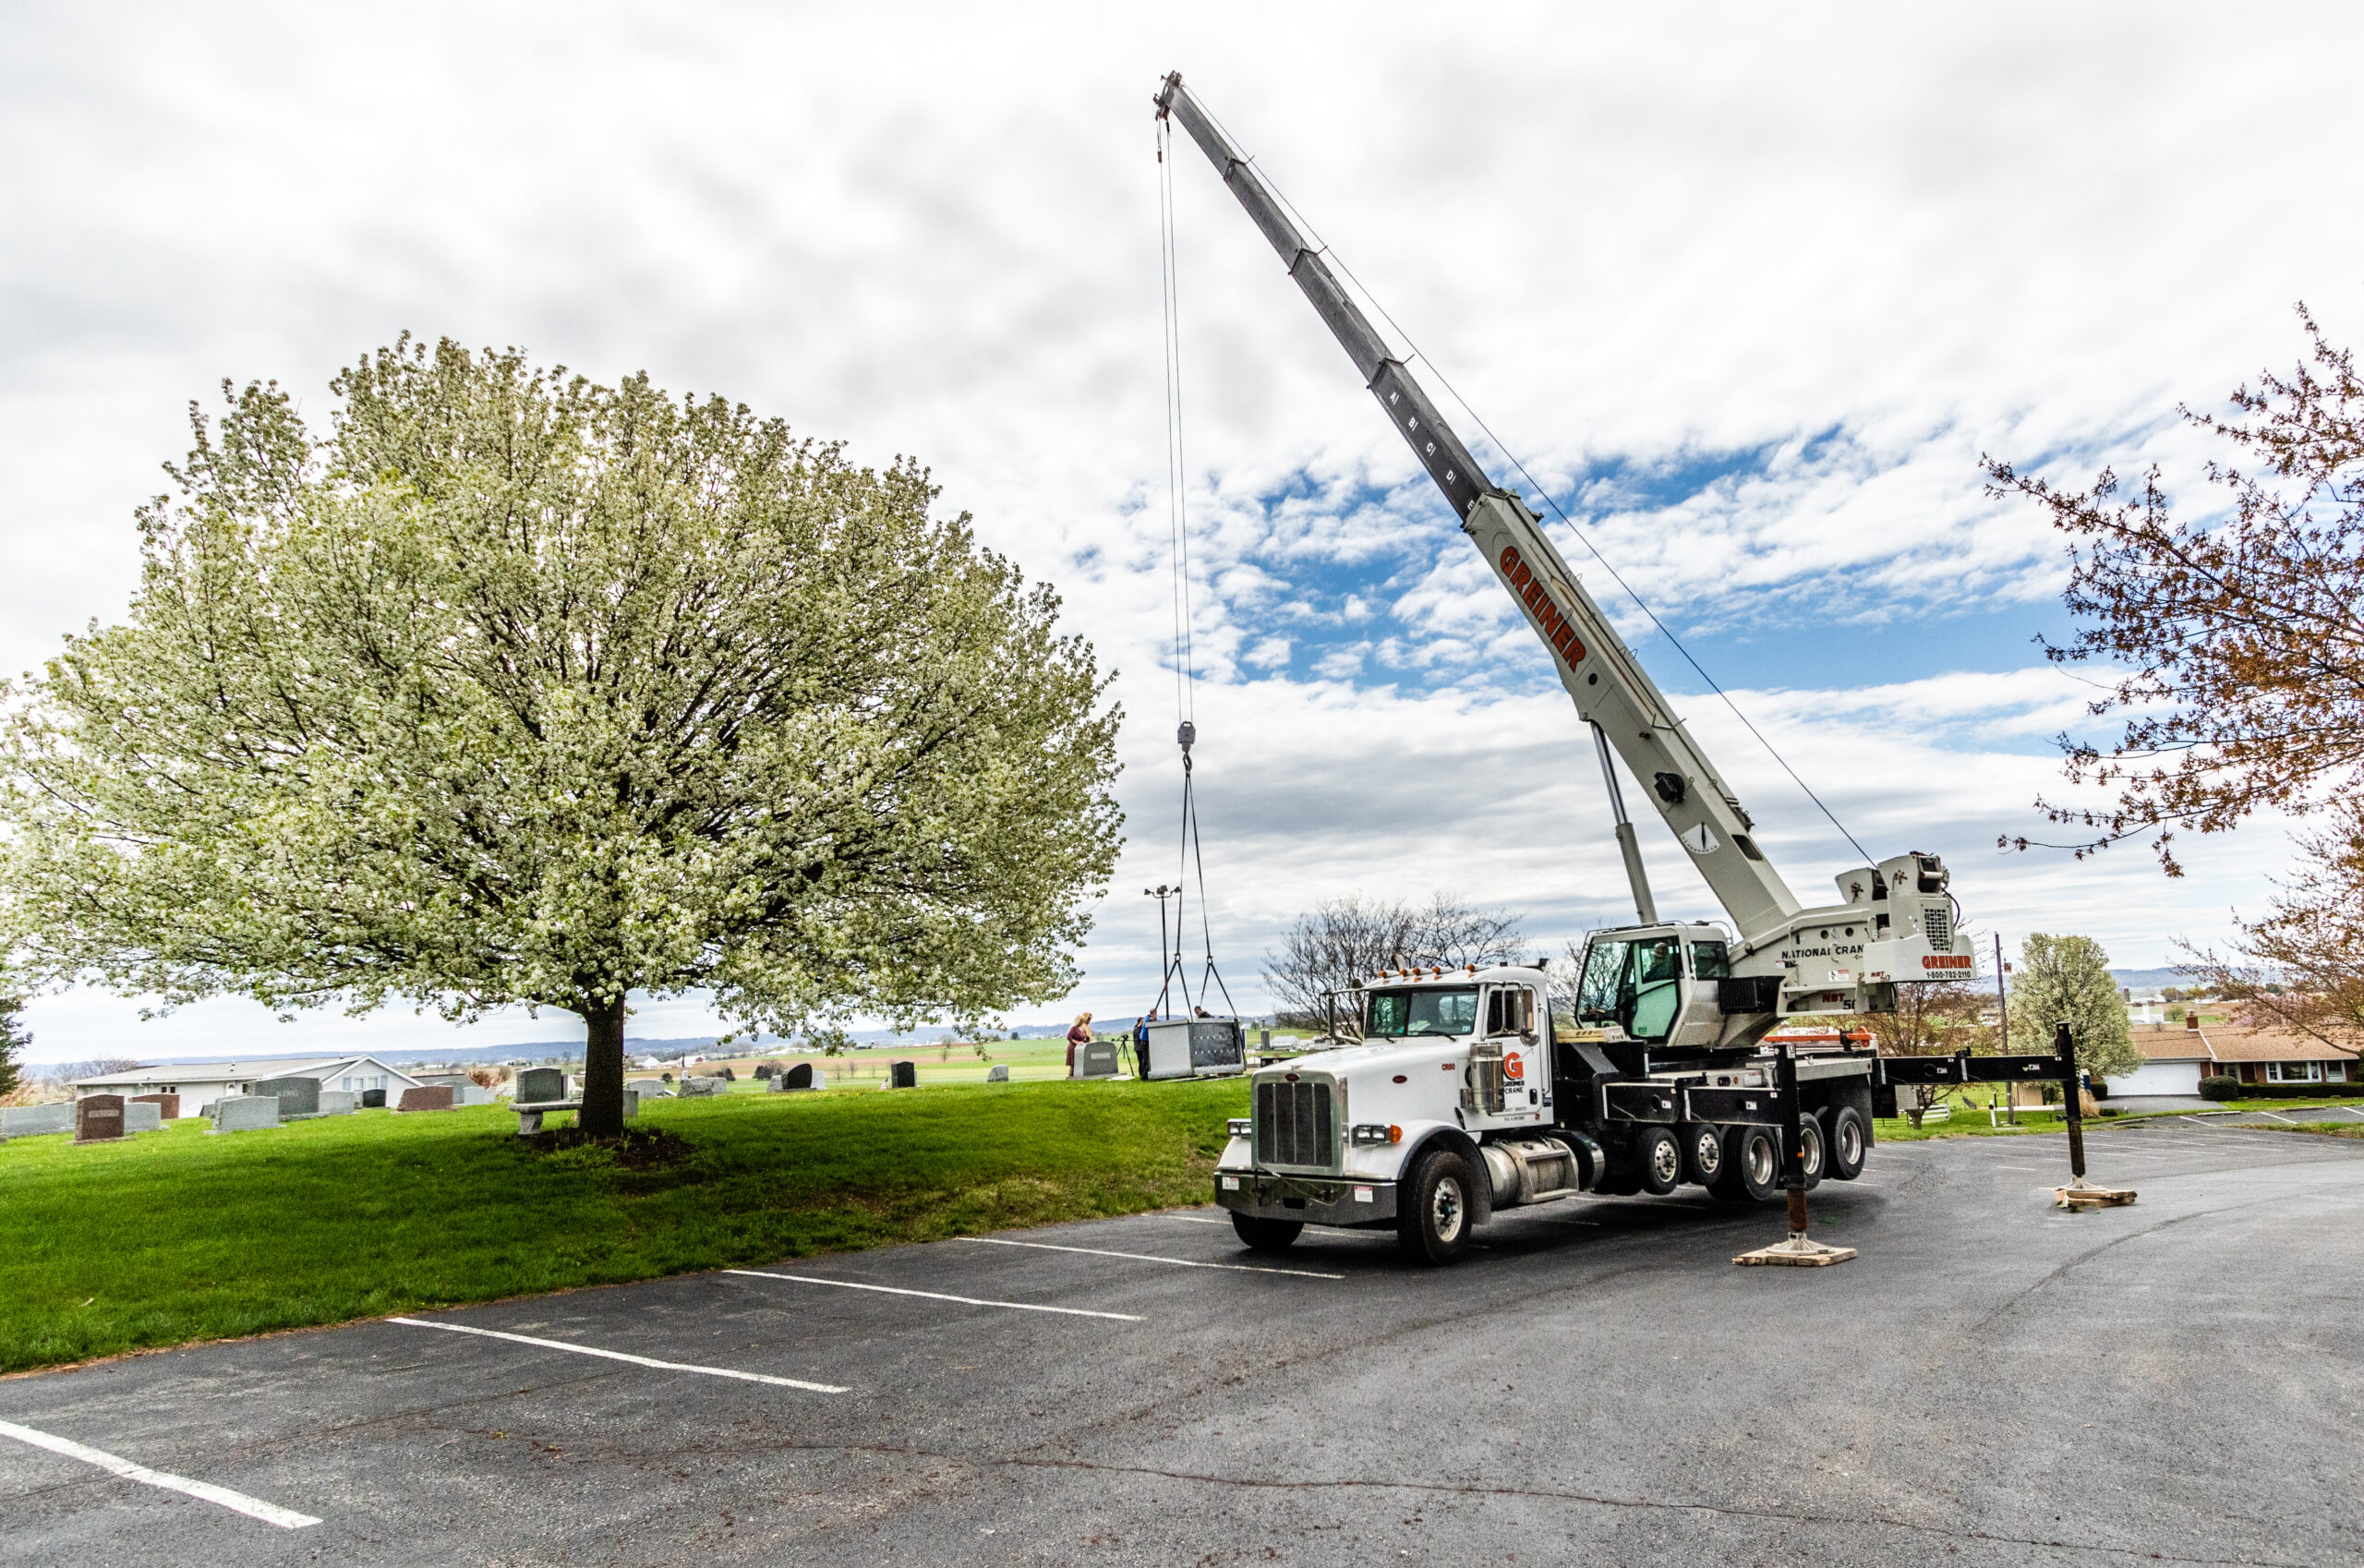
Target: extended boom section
<point>1895,923</point>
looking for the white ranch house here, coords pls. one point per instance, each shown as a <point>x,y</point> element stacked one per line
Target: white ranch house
<point>200,1084</point>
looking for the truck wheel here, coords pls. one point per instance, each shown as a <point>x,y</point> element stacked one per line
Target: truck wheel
<point>1659,1154</point>
<point>1752,1165</point>
<point>1810,1135</point>
<point>1266,1236</point>
<point>1432,1225</point>
<point>1845,1141</point>
<point>1703,1153</point>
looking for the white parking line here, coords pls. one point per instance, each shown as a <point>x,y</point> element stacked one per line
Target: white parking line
<point>619,1356</point>
<point>237,1502</point>
<point>936,1296</point>
<point>1147,1257</point>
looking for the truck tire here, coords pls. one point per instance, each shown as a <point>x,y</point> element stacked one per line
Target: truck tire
<point>1266,1236</point>
<point>1703,1153</point>
<point>1810,1134</point>
<point>1846,1138</point>
<point>1433,1216</point>
<point>1752,1166</point>
<point>1660,1157</point>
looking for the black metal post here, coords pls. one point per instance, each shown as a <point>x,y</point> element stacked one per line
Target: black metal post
<point>1793,1140</point>
<point>2071,1103</point>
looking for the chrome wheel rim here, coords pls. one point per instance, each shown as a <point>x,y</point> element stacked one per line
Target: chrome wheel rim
<point>1762,1161</point>
<point>1851,1143</point>
<point>1666,1160</point>
<point>1708,1153</point>
<point>1444,1209</point>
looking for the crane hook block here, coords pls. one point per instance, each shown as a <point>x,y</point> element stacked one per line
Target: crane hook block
<point>1670,788</point>
<point>1188,734</point>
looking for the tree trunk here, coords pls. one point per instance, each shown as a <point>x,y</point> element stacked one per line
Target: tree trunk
<point>603,1070</point>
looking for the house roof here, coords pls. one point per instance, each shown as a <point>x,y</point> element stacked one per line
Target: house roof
<point>236,1071</point>
<point>2225,1042</point>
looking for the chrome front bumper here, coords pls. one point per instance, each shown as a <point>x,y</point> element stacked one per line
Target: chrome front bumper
<point>1317,1200</point>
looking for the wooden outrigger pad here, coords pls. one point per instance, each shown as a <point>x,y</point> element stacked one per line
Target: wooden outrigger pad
<point>2077,1195</point>
<point>1798,1253</point>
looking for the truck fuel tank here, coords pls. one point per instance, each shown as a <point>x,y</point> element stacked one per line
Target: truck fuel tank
<point>1529,1170</point>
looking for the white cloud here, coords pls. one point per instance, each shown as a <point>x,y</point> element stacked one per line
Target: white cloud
<point>1757,287</point>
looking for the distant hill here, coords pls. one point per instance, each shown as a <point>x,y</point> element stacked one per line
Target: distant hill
<point>2140,980</point>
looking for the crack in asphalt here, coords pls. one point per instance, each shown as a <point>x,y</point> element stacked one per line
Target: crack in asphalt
<point>1540,1494</point>
<point>2020,1298</point>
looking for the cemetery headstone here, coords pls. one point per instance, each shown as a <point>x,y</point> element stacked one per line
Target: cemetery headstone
<point>694,1087</point>
<point>339,1101</point>
<point>373,1099</point>
<point>540,1086</point>
<point>167,1105</point>
<point>426,1097</point>
<point>997,1073</point>
<point>245,1113</point>
<point>907,1075</point>
<point>631,1104</point>
<point>296,1096</point>
<point>35,1121</point>
<point>797,1077</point>
<point>98,1118</point>
<point>1097,1060</point>
<point>142,1115</point>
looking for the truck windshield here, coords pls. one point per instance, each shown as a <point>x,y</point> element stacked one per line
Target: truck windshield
<point>1392,1015</point>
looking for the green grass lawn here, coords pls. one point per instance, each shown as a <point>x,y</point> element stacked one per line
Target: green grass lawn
<point>178,1235</point>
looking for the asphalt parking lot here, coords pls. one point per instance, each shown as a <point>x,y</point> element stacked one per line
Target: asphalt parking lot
<point>1991,1382</point>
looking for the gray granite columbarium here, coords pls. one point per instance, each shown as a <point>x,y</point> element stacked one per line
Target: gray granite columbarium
<point>98,1118</point>
<point>244,1113</point>
<point>339,1101</point>
<point>36,1121</point>
<point>142,1115</point>
<point>997,1073</point>
<point>297,1097</point>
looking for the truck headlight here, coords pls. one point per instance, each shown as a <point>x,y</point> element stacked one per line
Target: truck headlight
<point>1241,1127</point>
<point>1373,1132</point>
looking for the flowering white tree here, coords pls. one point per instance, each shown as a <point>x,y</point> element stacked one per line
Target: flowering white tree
<point>513,688</point>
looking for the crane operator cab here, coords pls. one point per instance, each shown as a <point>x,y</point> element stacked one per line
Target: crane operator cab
<point>1655,984</point>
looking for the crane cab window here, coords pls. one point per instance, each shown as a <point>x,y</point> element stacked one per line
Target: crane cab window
<point>1635,984</point>
<point>1709,960</point>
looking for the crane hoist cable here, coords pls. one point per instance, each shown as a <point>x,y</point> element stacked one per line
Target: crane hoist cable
<point>1174,976</point>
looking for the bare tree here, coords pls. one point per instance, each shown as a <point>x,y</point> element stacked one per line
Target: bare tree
<point>1345,939</point>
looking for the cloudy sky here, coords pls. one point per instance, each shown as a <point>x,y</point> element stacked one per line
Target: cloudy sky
<point>1748,290</point>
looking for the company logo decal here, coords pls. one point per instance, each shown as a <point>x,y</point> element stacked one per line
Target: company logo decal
<point>1538,600</point>
<point>1514,1068</point>
<point>1946,960</point>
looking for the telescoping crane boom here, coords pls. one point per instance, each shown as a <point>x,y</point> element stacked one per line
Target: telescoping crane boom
<point>1464,1093</point>
<point>1895,923</point>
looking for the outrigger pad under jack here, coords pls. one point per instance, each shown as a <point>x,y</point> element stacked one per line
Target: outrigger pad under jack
<point>2076,1195</point>
<point>1798,1253</point>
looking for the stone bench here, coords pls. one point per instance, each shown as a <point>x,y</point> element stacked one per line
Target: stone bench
<point>530,1115</point>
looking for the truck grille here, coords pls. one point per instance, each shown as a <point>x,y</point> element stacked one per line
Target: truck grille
<point>1938,922</point>
<point>1294,1125</point>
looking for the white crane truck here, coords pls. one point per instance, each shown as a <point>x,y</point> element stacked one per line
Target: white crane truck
<point>1463,1098</point>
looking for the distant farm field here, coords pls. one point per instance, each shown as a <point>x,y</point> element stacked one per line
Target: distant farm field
<point>180,1235</point>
